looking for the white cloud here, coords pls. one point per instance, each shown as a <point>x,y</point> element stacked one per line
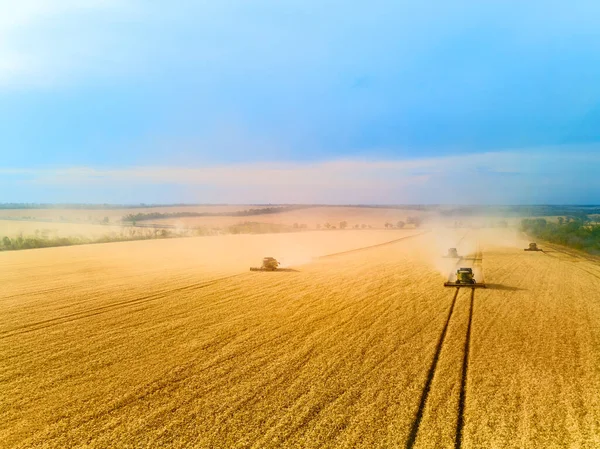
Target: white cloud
<point>495,177</point>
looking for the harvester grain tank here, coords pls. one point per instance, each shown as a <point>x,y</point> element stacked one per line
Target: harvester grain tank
<point>268,264</point>
<point>533,247</point>
<point>465,278</point>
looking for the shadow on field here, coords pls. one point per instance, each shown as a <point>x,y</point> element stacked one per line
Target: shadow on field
<point>503,287</point>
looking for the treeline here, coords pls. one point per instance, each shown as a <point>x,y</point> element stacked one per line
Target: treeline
<point>251,227</point>
<point>520,211</point>
<point>241,213</point>
<point>578,232</point>
<point>41,241</point>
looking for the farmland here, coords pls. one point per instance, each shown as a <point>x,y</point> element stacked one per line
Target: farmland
<point>175,343</point>
<point>311,217</point>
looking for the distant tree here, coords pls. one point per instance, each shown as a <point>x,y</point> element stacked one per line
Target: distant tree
<point>106,220</point>
<point>296,226</point>
<point>318,225</point>
<point>328,225</point>
<point>400,224</point>
<point>343,224</point>
<point>364,226</point>
<point>561,221</point>
<point>6,242</point>
<point>356,226</point>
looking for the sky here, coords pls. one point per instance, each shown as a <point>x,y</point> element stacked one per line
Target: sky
<point>264,101</point>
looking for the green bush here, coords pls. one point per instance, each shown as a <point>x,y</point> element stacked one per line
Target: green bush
<point>576,232</point>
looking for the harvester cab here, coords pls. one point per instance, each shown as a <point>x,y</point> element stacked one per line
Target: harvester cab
<point>452,254</point>
<point>533,247</point>
<point>268,264</point>
<point>464,276</point>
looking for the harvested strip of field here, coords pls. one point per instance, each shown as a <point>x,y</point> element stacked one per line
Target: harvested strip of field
<point>534,374</point>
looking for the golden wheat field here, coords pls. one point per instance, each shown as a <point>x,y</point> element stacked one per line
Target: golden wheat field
<point>115,214</point>
<point>13,228</point>
<point>175,343</point>
<point>310,216</point>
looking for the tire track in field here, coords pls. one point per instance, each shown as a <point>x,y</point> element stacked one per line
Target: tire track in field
<point>44,324</point>
<point>183,372</point>
<point>108,308</point>
<point>412,437</point>
<point>37,292</point>
<point>575,256</point>
<point>476,260</point>
<point>364,248</point>
<point>463,384</point>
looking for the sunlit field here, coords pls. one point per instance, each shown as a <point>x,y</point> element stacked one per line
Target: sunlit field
<point>175,343</point>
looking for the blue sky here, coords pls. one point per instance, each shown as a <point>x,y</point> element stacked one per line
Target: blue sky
<point>97,100</point>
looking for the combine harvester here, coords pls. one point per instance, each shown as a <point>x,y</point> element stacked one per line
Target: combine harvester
<point>533,247</point>
<point>268,264</point>
<point>464,278</point>
<point>452,254</point>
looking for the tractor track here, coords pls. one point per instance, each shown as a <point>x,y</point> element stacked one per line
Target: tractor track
<point>460,421</point>
<point>463,384</point>
<point>365,248</point>
<point>44,324</point>
<point>51,322</point>
<point>576,256</point>
<point>412,437</point>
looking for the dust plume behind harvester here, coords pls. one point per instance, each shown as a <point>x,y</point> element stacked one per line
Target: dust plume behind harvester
<point>268,264</point>
<point>533,247</point>
<point>452,254</point>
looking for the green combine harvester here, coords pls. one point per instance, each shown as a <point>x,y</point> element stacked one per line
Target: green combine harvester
<point>464,278</point>
<point>533,247</point>
<point>268,264</point>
